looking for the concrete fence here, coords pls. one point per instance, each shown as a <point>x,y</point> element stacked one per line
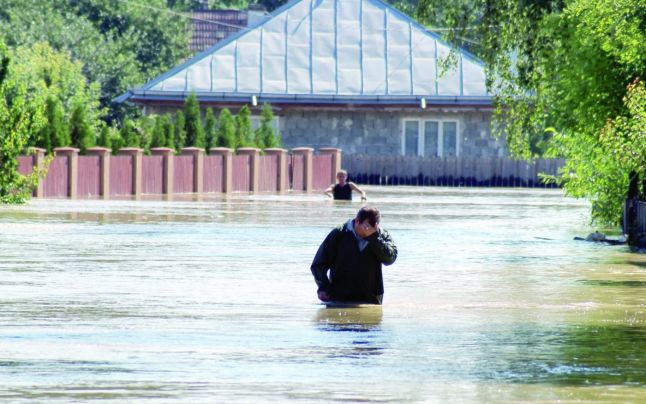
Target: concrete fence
<point>448,171</point>
<point>131,173</point>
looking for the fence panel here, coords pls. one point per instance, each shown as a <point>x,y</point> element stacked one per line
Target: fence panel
<point>183,174</point>
<point>152,175</point>
<point>322,171</point>
<point>56,183</point>
<point>213,166</point>
<point>268,173</point>
<point>449,171</point>
<point>296,164</point>
<point>240,168</point>
<point>121,175</point>
<point>89,177</point>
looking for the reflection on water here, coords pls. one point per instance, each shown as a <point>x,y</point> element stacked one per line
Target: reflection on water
<point>212,299</point>
<point>360,318</point>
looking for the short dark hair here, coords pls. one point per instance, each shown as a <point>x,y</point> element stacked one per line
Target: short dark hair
<point>369,213</point>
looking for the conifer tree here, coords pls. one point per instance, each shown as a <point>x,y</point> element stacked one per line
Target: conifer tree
<point>116,141</point>
<point>105,137</point>
<point>128,134</point>
<point>55,133</point>
<point>194,129</point>
<point>81,132</point>
<point>226,130</point>
<point>244,134</point>
<point>266,136</point>
<point>180,131</point>
<point>159,137</point>
<point>169,131</point>
<point>209,129</point>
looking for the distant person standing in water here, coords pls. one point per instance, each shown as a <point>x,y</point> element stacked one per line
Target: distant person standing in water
<point>353,253</point>
<point>342,190</point>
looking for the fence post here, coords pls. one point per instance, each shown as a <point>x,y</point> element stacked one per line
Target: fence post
<point>104,158</point>
<point>136,154</point>
<point>336,161</point>
<point>307,153</point>
<point>168,154</point>
<point>198,167</point>
<point>282,166</point>
<point>39,163</point>
<point>227,166</point>
<point>254,165</point>
<point>72,155</point>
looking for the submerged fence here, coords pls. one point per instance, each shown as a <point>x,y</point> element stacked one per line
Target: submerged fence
<point>131,173</point>
<point>449,171</point>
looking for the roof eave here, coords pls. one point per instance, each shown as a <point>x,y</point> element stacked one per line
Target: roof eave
<point>146,97</point>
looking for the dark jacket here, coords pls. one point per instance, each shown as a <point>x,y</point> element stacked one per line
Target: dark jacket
<point>355,275</point>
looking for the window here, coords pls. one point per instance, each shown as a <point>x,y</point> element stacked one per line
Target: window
<point>411,138</point>
<point>430,138</point>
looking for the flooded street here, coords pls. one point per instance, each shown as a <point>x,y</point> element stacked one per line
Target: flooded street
<point>490,300</point>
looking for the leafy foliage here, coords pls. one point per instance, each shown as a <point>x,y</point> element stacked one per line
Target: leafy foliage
<point>120,44</point>
<point>559,71</point>
<point>21,116</point>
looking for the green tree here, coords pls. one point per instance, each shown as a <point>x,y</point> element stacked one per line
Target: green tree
<point>159,136</point>
<point>21,117</point>
<point>129,134</point>
<point>210,129</point>
<point>105,137</point>
<point>57,128</point>
<point>169,131</point>
<point>226,129</point>
<point>81,132</point>
<point>179,136</point>
<point>266,136</point>
<point>244,134</point>
<point>116,141</point>
<point>120,44</point>
<point>561,70</point>
<point>194,129</point>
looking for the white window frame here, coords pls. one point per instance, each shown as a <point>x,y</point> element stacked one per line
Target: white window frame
<point>421,130</point>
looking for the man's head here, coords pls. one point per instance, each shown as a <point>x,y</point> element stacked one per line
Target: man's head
<point>367,221</point>
<point>341,176</point>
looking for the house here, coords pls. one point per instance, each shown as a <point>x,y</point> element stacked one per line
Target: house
<point>353,74</point>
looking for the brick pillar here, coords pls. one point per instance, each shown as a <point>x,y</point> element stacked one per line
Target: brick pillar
<point>307,153</point>
<point>282,167</point>
<point>104,157</point>
<point>198,167</point>
<point>227,166</point>
<point>39,164</point>
<point>72,155</point>
<point>254,164</point>
<point>168,153</point>
<point>336,161</point>
<point>137,155</point>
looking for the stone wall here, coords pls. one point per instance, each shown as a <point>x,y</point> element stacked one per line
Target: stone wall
<point>380,132</point>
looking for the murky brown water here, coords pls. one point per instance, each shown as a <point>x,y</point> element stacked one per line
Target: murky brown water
<point>491,300</point>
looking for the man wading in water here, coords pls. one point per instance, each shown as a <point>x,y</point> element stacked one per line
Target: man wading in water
<point>353,253</point>
<point>343,190</point>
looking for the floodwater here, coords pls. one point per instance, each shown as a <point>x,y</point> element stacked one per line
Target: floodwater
<point>490,300</point>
